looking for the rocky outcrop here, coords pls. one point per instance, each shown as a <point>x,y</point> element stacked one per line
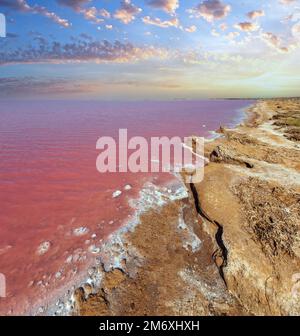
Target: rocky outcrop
<point>226,155</point>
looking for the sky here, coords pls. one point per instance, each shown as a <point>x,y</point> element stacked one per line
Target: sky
<point>149,49</point>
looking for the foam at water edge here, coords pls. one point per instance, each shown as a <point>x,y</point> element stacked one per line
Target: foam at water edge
<point>112,252</point>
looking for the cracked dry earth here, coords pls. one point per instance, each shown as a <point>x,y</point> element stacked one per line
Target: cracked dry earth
<point>231,246</point>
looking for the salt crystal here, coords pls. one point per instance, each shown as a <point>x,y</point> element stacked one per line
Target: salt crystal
<point>93,249</point>
<point>81,231</point>
<point>43,248</point>
<point>117,193</point>
<point>58,275</point>
<point>69,259</point>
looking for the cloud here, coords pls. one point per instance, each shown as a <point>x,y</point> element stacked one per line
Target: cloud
<point>51,15</point>
<point>30,86</point>
<point>159,23</point>
<point>191,29</point>
<point>287,2</point>
<point>211,10</point>
<point>23,6</point>
<point>80,50</point>
<point>104,13</point>
<point>215,33</point>
<point>18,5</point>
<point>276,42</point>
<point>127,12</point>
<point>247,26</point>
<point>74,4</point>
<point>168,6</point>
<point>232,35</point>
<point>91,14</point>
<point>255,14</point>
<point>223,26</point>
<point>296,30</point>
<point>294,17</point>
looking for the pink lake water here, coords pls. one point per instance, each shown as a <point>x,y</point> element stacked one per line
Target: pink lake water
<point>49,185</point>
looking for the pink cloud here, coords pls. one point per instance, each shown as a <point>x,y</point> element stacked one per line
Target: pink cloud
<point>255,14</point>
<point>168,6</point>
<point>287,2</point>
<point>211,10</point>
<point>296,30</point>
<point>276,42</point>
<point>247,26</point>
<point>223,26</point>
<point>159,23</point>
<point>104,13</point>
<point>191,29</point>
<point>75,4</point>
<point>232,35</point>
<point>127,12</point>
<point>83,49</point>
<point>91,14</point>
<point>23,6</point>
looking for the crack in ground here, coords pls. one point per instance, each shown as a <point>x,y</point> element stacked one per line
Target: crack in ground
<point>218,236</point>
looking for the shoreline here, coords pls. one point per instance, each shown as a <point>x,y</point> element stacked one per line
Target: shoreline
<point>92,284</point>
<point>246,115</point>
<point>202,269</point>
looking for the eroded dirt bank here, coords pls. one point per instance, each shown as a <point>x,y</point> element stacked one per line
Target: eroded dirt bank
<point>251,188</point>
<point>227,246</point>
<point>168,269</point>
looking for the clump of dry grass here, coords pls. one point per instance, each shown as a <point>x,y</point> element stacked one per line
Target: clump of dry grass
<point>293,134</point>
<point>289,120</point>
<point>272,213</point>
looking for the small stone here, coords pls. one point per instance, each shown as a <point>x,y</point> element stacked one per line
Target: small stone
<point>128,187</point>
<point>219,261</point>
<point>88,289</point>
